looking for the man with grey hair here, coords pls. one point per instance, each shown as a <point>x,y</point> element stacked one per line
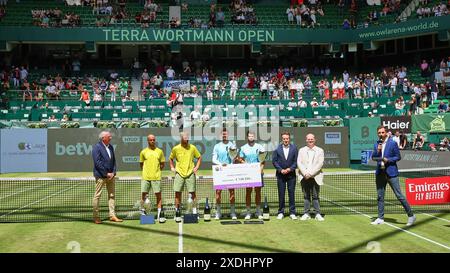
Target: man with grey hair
<point>310,162</point>
<point>104,173</point>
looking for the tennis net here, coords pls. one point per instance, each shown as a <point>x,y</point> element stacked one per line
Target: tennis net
<point>70,199</point>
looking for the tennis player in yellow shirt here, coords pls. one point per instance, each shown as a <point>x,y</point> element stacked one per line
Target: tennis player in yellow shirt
<point>152,161</point>
<point>185,171</point>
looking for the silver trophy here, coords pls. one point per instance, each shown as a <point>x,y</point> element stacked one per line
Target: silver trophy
<point>232,152</point>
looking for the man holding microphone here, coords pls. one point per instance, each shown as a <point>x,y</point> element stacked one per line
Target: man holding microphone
<point>387,153</point>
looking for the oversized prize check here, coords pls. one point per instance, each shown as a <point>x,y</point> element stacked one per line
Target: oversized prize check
<point>235,176</point>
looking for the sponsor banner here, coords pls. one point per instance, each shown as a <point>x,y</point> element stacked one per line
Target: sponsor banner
<point>363,135</point>
<point>399,123</point>
<point>366,157</point>
<point>183,85</point>
<point>333,138</point>
<point>23,150</point>
<point>429,190</point>
<point>71,149</point>
<point>234,176</point>
<point>431,123</point>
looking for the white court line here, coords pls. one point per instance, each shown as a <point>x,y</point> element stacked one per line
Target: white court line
<point>28,189</point>
<point>394,226</point>
<point>180,237</point>
<point>344,190</point>
<point>45,198</point>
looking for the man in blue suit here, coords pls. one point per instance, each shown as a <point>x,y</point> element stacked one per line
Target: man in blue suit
<point>104,173</point>
<point>387,153</point>
<point>284,160</point>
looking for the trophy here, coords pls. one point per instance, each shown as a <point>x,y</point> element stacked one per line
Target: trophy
<point>147,217</point>
<point>232,152</point>
<point>262,155</point>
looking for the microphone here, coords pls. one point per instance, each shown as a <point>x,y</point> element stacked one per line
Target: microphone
<point>378,158</point>
<point>380,141</point>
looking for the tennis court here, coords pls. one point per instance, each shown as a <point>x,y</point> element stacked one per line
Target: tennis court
<point>53,212</point>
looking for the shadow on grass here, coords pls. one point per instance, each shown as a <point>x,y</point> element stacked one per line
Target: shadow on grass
<point>188,236</point>
<point>391,233</point>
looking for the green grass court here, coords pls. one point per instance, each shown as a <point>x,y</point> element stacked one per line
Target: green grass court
<point>338,233</point>
<point>348,202</point>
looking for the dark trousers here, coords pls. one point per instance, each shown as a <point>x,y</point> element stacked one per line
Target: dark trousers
<point>290,181</point>
<point>381,180</point>
<point>310,189</point>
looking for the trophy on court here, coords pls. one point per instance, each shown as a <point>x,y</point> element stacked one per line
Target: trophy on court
<point>191,215</point>
<point>147,218</point>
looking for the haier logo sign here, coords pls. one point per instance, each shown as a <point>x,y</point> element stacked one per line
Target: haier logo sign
<point>333,138</point>
<point>397,123</point>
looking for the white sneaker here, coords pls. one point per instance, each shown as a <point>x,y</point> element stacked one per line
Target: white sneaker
<point>233,216</point>
<point>142,212</point>
<point>305,217</point>
<point>260,217</point>
<point>218,216</point>
<point>162,220</point>
<point>293,217</point>
<point>280,216</point>
<point>319,217</point>
<point>378,221</point>
<point>177,219</point>
<point>247,216</point>
<point>411,220</point>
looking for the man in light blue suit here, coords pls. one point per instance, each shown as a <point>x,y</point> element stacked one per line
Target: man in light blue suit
<point>387,153</point>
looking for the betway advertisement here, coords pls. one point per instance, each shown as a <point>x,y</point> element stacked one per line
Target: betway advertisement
<point>23,150</point>
<point>429,190</point>
<point>71,149</point>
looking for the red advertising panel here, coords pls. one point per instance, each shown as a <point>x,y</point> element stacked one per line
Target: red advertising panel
<point>428,190</point>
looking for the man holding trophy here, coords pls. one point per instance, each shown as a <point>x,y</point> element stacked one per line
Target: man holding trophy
<point>223,154</point>
<point>152,161</point>
<point>253,152</point>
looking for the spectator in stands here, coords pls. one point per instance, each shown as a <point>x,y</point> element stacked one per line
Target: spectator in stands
<point>170,73</point>
<point>418,141</point>
<point>290,14</point>
<point>301,103</point>
<point>52,92</point>
<point>314,103</point>
<point>97,95</point>
<point>442,108</point>
<point>65,118</point>
<point>85,97</point>
<point>396,138</point>
<point>424,69</point>
<point>403,145</point>
<point>444,144</point>
<point>52,118</point>
<point>113,90</point>
<point>26,90</point>
<point>220,17</point>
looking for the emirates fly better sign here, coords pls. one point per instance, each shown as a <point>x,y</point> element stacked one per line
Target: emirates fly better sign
<point>429,190</point>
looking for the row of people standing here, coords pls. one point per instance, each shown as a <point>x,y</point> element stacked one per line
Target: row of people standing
<point>152,161</point>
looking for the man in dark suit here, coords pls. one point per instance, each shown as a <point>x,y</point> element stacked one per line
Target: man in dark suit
<point>104,173</point>
<point>284,159</point>
<point>387,153</point>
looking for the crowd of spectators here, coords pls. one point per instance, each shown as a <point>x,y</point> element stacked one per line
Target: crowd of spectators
<point>305,15</point>
<point>424,11</point>
<point>242,13</point>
